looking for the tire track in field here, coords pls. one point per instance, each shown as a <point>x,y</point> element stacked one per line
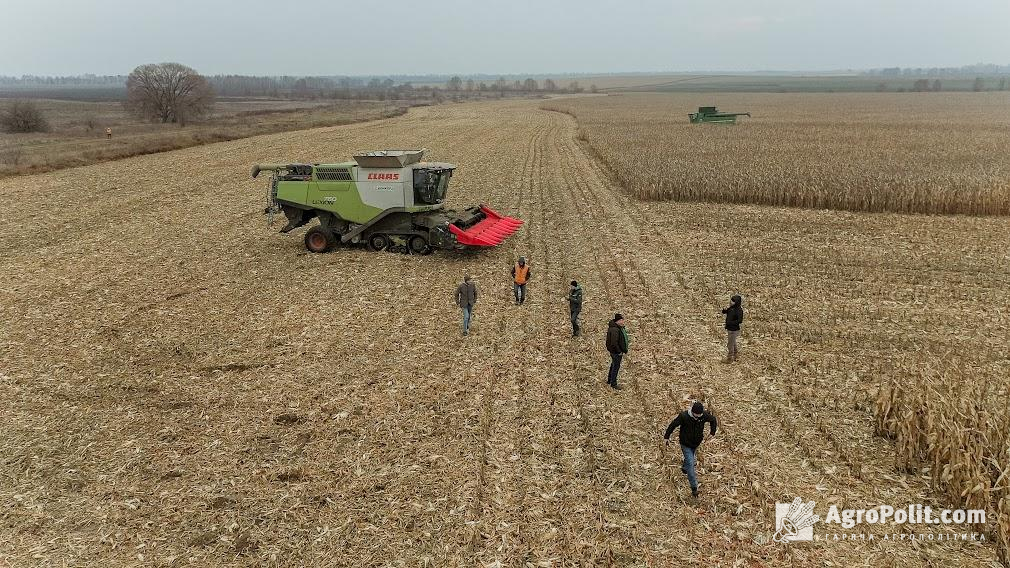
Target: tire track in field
<point>481,370</point>
<point>616,512</point>
<point>580,528</point>
<point>503,529</point>
<point>493,377</point>
<point>616,274</point>
<point>523,325</point>
<point>547,526</point>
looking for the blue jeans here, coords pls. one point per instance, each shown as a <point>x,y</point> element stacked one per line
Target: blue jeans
<point>689,463</point>
<point>615,367</point>
<point>520,291</point>
<point>467,310</point>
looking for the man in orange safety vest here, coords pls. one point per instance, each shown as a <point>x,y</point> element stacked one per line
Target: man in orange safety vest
<point>520,276</point>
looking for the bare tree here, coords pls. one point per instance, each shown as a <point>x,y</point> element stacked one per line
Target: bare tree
<point>530,85</point>
<point>454,84</point>
<point>23,116</point>
<point>168,92</point>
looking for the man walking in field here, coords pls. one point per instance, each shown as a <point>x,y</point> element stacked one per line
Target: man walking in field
<point>466,298</point>
<point>520,276</point>
<point>734,317</point>
<point>692,431</point>
<point>575,306</point>
<point>617,345</point>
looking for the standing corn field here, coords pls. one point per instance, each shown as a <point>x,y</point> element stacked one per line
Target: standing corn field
<point>877,152</point>
<point>949,419</point>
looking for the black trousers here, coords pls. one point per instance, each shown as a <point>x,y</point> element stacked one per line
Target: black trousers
<point>615,367</point>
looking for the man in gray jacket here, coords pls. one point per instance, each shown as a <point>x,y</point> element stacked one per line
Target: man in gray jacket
<point>466,298</point>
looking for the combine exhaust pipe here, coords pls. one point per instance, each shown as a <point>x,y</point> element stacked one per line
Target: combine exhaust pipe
<point>266,168</point>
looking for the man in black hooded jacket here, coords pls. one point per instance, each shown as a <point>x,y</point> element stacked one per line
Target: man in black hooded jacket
<point>734,317</point>
<point>692,431</point>
<point>617,346</point>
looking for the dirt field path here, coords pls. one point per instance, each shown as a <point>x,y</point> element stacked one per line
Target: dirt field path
<point>183,385</point>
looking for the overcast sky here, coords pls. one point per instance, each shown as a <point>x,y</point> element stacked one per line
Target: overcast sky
<point>334,37</point>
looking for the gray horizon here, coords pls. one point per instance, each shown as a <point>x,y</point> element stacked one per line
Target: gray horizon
<point>449,37</point>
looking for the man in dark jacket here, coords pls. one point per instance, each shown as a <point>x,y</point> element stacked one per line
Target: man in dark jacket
<point>734,317</point>
<point>692,431</point>
<point>466,298</point>
<point>617,345</point>
<point>575,306</point>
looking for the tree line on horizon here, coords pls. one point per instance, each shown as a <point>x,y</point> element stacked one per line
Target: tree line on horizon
<point>308,86</point>
<point>172,93</point>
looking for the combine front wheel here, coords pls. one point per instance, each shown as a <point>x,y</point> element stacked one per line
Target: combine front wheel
<point>378,242</point>
<point>319,240</point>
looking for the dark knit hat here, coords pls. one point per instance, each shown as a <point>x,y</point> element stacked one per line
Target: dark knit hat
<point>574,283</point>
<point>697,408</point>
<point>618,317</point>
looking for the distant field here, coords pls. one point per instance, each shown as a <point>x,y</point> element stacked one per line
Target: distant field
<point>702,82</point>
<point>84,93</point>
<point>78,136</point>
<point>908,152</point>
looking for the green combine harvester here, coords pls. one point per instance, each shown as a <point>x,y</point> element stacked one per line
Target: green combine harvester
<point>711,114</point>
<point>388,200</point>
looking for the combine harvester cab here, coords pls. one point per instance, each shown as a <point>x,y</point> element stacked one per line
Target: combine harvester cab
<point>388,200</point>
